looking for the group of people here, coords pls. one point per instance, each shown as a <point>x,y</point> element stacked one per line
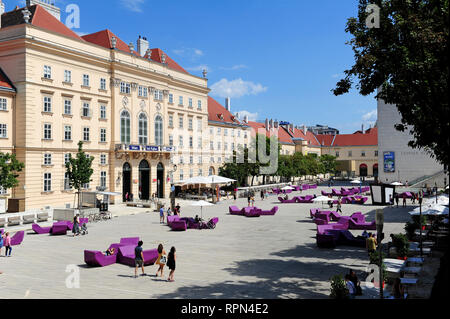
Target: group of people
<point>5,240</point>
<point>176,211</point>
<point>416,197</point>
<point>78,229</point>
<point>162,260</point>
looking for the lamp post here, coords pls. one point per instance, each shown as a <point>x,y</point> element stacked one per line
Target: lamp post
<point>379,218</point>
<point>420,223</point>
<point>172,189</point>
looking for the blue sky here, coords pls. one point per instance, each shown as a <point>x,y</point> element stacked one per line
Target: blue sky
<point>276,59</point>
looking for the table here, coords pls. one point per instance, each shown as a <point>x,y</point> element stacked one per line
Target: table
<point>394,266</point>
<point>415,260</point>
<point>414,270</point>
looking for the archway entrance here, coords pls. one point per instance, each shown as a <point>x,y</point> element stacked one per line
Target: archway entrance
<point>144,180</point>
<point>160,180</point>
<point>375,170</point>
<point>211,171</point>
<point>126,180</point>
<point>362,170</point>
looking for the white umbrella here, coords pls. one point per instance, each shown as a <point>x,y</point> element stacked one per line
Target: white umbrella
<point>355,181</point>
<point>200,204</point>
<point>321,199</point>
<point>286,188</point>
<point>215,179</point>
<point>196,180</point>
<point>396,184</point>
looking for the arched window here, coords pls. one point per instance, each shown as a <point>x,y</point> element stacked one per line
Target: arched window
<point>143,129</point>
<point>125,127</point>
<point>158,130</point>
<point>211,171</point>
<point>363,170</point>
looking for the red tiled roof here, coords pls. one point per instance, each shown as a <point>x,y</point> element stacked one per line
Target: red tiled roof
<point>156,56</point>
<point>325,139</point>
<point>283,136</point>
<point>310,137</point>
<point>5,82</point>
<point>40,18</point>
<point>357,139</point>
<point>218,113</point>
<point>103,38</point>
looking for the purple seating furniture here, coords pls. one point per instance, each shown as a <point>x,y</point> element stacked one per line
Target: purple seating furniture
<point>271,212</point>
<point>127,241</point>
<point>367,226</point>
<point>324,193</point>
<point>126,256</point>
<point>313,212</point>
<point>59,229</point>
<point>171,219</point>
<point>214,221</point>
<point>234,210</point>
<point>41,230</point>
<point>252,212</point>
<point>178,225</point>
<point>17,238</point>
<point>296,188</point>
<point>312,186</point>
<point>98,259</point>
<point>305,199</point>
<point>288,201</point>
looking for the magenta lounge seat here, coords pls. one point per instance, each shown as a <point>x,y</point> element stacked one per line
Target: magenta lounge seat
<point>98,259</point>
<point>366,226</point>
<point>17,238</point>
<point>271,212</point>
<point>179,225</point>
<point>234,210</point>
<point>252,213</point>
<point>171,219</point>
<point>41,230</point>
<point>126,256</point>
<point>59,229</point>
<point>133,241</point>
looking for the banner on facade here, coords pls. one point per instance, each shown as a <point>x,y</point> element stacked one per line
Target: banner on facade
<point>389,162</point>
<point>134,147</point>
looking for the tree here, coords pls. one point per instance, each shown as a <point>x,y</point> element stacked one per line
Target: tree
<point>406,60</point>
<point>79,170</point>
<point>9,167</point>
<point>329,164</point>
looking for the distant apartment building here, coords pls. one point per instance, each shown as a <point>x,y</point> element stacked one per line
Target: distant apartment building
<point>323,130</point>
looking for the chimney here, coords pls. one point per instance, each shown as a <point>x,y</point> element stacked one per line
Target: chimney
<point>237,115</point>
<point>246,119</point>
<point>291,127</point>
<point>131,47</point>
<point>271,124</point>
<point>228,104</point>
<point>276,124</point>
<point>362,128</point>
<point>305,129</point>
<point>267,124</point>
<point>142,46</point>
<point>48,5</point>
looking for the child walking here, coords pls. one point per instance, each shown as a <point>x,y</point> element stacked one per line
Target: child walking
<point>8,245</point>
<point>171,260</point>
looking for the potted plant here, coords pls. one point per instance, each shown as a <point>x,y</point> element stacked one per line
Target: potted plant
<point>338,288</point>
<point>401,244</point>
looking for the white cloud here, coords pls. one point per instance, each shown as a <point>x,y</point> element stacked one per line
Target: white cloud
<point>235,67</point>
<point>188,52</point>
<point>251,116</point>
<point>236,88</point>
<point>370,116</point>
<point>133,5</point>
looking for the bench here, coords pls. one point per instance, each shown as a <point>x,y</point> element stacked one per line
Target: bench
<point>42,217</point>
<point>15,220</point>
<point>28,219</point>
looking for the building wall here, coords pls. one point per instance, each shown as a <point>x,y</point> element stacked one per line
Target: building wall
<point>352,157</point>
<point>410,164</point>
<point>23,59</point>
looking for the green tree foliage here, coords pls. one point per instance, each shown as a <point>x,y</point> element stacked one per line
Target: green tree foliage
<point>329,164</point>
<point>405,61</point>
<point>79,170</point>
<point>338,288</point>
<point>9,167</point>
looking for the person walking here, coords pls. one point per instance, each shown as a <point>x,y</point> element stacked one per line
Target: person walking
<point>162,259</point>
<point>404,201</point>
<point>234,196</point>
<point>339,205</point>
<point>371,244</point>
<point>178,210</point>
<point>76,225</point>
<point>171,262</point>
<point>398,290</point>
<point>161,215</point>
<point>262,195</point>
<point>397,199</point>
<point>139,258</point>
<point>8,245</point>
<point>249,198</point>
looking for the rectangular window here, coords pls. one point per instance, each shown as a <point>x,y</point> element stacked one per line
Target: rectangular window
<point>85,79</point>
<point>125,87</point>
<point>191,142</point>
<point>3,104</point>
<point>158,95</point>
<point>200,172</point>
<point>376,154</point>
<point>67,133</point>
<point>191,159</point>
<point>200,160</point>
<point>225,146</point>
<point>232,146</point>
<point>190,102</point>
<point>181,160</point>
<point>47,72</point>
<point>181,175</point>
<point>66,158</point>
<point>170,140</point>
<point>239,133</point>
<point>47,159</point>
<point>47,131</point>
<point>225,132</point>
<point>199,104</point>
<point>180,141</point>
<point>190,124</point>
<point>219,131</point>
<point>47,104</point>
<point>363,154</point>
<point>103,135</point>
<point>211,131</point>
<point>67,76</point>
<point>103,179</point>
<point>143,91</point>
<point>102,159</point>
<point>219,146</point>
<point>103,111</point>
<point>47,182</point>
<point>67,182</point>
<point>68,107</point>
<point>219,159</point>
<point>86,134</point>
<point>337,154</point>
<point>86,110</point>
<point>103,84</point>
<point>232,132</point>
<point>180,122</point>
<point>349,153</point>
<point>3,131</point>
<point>200,144</point>
<point>191,173</point>
<point>199,125</point>
<point>170,120</point>
<point>180,100</point>
<point>171,98</point>
<point>211,146</point>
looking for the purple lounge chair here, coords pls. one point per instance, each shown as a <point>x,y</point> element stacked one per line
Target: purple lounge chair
<point>129,241</point>
<point>313,212</point>
<point>288,201</point>
<point>347,238</point>
<point>59,229</point>
<point>98,259</point>
<point>17,238</point>
<point>362,226</point>
<point>178,225</point>
<point>126,256</point>
<point>271,212</point>
<point>324,193</point>
<point>252,213</point>
<point>41,230</point>
<point>171,219</point>
<point>305,199</point>
<point>234,210</point>
<point>312,186</point>
<point>212,223</point>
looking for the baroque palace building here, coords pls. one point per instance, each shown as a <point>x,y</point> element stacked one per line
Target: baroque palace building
<point>137,111</point>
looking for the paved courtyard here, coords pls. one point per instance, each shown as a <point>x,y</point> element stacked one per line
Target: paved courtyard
<point>266,257</point>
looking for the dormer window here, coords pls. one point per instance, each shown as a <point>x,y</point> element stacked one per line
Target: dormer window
<point>220,116</point>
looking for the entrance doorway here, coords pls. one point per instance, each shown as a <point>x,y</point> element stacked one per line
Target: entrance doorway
<point>160,180</point>
<point>144,180</point>
<point>126,180</point>
<point>363,170</point>
<point>375,170</point>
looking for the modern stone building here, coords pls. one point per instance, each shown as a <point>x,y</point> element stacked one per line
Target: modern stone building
<point>398,161</point>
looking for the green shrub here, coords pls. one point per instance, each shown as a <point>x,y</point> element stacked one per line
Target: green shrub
<point>401,244</point>
<point>338,288</point>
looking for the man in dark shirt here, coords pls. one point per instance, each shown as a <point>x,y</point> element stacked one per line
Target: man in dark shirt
<point>139,258</point>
